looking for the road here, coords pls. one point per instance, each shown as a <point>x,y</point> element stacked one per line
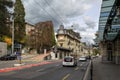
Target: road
<point>53,71</point>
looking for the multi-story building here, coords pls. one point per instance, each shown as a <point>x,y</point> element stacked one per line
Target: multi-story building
<point>109,31</point>
<point>28,28</point>
<point>68,42</point>
<point>31,37</point>
<point>41,36</point>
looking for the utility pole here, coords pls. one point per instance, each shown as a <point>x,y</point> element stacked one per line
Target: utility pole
<point>13,15</point>
<point>13,35</point>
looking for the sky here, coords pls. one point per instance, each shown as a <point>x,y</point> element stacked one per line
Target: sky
<point>83,15</point>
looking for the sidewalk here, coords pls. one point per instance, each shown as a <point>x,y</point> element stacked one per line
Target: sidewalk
<point>27,59</point>
<point>105,71</point>
<point>34,57</point>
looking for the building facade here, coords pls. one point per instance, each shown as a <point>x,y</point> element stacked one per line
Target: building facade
<point>68,42</point>
<point>109,31</point>
<point>28,28</point>
<point>41,36</point>
<point>31,38</point>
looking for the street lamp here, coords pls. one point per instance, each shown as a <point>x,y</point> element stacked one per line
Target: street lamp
<point>13,35</point>
<point>13,15</point>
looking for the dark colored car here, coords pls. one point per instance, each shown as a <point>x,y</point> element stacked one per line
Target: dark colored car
<point>8,57</point>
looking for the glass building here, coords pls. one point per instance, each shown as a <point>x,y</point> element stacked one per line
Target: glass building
<point>109,31</point>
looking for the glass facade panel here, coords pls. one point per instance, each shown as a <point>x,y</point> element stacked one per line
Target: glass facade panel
<point>103,21</point>
<point>108,3</point>
<point>106,9</point>
<point>100,35</point>
<point>103,18</point>
<point>101,24</point>
<point>101,28</point>
<point>115,28</point>
<point>104,14</point>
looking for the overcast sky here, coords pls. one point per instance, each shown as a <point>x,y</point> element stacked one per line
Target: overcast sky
<point>82,14</point>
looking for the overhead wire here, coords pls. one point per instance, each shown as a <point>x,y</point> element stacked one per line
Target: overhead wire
<point>61,19</point>
<point>45,11</point>
<point>35,16</point>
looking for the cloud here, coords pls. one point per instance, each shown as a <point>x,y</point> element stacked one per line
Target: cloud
<point>88,36</point>
<point>59,11</point>
<point>89,22</point>
<point>66,12</point>
<point>77,27</point>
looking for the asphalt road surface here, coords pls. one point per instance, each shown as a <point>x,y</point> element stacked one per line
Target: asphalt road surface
<point>53,71</point>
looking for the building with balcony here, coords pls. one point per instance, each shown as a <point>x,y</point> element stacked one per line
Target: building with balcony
<point>109,31</point>
<point>68,42</point>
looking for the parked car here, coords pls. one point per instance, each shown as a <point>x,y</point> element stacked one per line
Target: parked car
<point>69,61</point>
<point>82,58</point>
<point>8,57</point>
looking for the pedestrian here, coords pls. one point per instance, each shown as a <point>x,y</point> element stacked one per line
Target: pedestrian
<point>18,53</point>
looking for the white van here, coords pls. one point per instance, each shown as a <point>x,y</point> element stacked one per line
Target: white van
<point>69,61</point>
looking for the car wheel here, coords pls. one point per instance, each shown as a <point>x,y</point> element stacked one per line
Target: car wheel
<point>63,65</point>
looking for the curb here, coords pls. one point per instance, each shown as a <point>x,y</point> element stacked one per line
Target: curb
<point>87,73</point>
<point>23,66</point>
<point>27,66</point>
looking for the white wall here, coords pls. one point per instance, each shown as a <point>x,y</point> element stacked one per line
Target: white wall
<point>3,48</point>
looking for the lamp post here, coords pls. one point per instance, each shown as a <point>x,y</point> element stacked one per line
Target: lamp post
<point>13,15</point>
<point>13,35</point>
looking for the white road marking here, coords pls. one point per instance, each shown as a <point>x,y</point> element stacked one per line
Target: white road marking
<point>40,70</point>
<point>65,78</point>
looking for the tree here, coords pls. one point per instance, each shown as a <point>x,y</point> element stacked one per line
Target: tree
<point>96,51</point>
<point>4,18</point>
<point>19,21</point>
<point>45,37</point>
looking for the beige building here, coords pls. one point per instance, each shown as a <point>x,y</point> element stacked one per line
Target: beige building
<point>31,37</point>
<point>28,28</point>
<point>68,42</point>
<point>84,50</point>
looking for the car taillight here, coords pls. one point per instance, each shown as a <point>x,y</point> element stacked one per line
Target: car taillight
<point>71,60</point>
<point>65,60</point>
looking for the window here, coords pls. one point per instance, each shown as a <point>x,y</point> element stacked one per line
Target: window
<point>61,44</point>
